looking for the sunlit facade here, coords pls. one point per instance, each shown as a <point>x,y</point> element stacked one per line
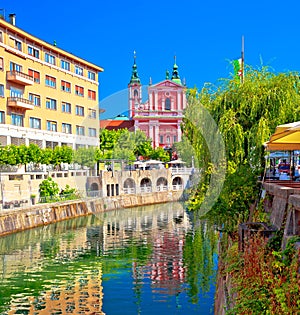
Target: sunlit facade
<point>47,96</point>
<point>161,115</point>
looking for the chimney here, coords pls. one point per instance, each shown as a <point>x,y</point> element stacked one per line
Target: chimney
<point>12,19</point>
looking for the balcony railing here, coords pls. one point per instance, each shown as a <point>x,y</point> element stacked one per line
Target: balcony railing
<point>19,77</point>
<point>19,102</point>
<point>129,191</point>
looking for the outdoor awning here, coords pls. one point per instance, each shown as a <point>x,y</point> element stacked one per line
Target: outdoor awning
<point>178,161</point>
<point>285,138</point>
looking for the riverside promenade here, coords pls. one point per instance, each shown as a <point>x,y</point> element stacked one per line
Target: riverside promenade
<point>106,191</point>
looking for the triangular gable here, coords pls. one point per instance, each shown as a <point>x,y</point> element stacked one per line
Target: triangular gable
<point>167,83</point>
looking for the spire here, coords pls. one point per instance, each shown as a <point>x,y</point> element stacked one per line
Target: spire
<point>167,75</point>
<point>175,74</point>
<point>134,74</point>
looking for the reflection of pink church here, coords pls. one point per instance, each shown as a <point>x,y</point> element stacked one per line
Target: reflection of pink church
<point>161,115</point>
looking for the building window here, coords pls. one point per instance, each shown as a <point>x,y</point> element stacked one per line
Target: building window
<point>34,123</point>
<point>79,110</point>
<point>80,131</point>
<point>92,75</point>
<point>168,104</point>
<point>1,90</point>
<point>161,139</point>
<point>65,107</point>
<point>1,64</point>
<point>65,65</point>
<point>92,132</point>
<point>65,86</point>
<point>92,113</point>
<point>50,103</point>
<point>66,128</point>
<point>35,99</point>
<point>50,59</point>
<point>35,75</point>
<point>79,90</point>
<point>51,125</point>
<point>14,92</point>
<point>1,37</point>
<point>50,81</point>
<point>33,52</point>
<point>2,117</point>
<point>168,139</point>
<point>17,44</point>
<point>79,70</point>
<point>91,95</point>
<point>15,67</point>
<point>17,120</point>
<point>174,139</point>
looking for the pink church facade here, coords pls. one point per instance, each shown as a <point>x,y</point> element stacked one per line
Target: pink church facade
<point>160,116</point>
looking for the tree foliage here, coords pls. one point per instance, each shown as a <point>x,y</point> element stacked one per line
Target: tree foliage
<point>86,156</point>
<point>48,189</point>
<point>123,144</point>
<point>246,114</point>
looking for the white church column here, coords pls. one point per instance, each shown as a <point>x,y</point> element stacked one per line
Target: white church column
<point>178,132</point>
<point>150,101</point>
<point>155,101</point>
<point>156,134</point>
<point>151,135</point>
<point>179,106</point>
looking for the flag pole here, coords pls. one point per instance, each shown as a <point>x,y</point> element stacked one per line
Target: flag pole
<point>242,57</point>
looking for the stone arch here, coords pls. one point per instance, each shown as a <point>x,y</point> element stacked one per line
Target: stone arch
<point>177,183</point>
<point>94,186</point>
<point>146,185</point>
<point>129,186</point>
<point>162,184</point>
<point>94,190</point>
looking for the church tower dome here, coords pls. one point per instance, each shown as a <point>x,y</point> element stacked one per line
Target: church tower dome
<point>175,74</point>
<point>134,90</point>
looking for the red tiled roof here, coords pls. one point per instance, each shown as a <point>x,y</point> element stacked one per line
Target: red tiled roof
<point>111,124</point>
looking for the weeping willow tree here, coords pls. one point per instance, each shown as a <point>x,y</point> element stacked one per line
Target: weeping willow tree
<point>245,115</point>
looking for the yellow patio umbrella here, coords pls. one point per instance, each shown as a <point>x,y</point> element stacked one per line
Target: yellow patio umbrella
<point>285,138</point>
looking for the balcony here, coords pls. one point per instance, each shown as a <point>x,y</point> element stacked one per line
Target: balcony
<point>19,102</point>
<point>19,77</point>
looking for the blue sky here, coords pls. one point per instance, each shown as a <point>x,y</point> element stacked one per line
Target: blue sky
<point>204,36</point>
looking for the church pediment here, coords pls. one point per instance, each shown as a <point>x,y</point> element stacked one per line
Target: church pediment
<point>167,83</point>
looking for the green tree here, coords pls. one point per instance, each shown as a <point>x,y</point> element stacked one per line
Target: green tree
<point>62,154</point>
<point>86,156</point>
<point>246,114</point>
<point>34,153</point>
<point>186,151</point>
<point>108,139</point>
<point>160,154</point>
<point>46,156</point>
<point>48,189</point>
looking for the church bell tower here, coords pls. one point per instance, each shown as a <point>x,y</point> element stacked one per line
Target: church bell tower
<point>134,90</point>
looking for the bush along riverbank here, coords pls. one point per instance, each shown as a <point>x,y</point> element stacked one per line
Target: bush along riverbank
<point>227,125</point>
<point>261,279</point>
<point>256,273</point>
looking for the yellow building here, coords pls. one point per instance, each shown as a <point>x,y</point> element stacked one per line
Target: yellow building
<point>47,96</point>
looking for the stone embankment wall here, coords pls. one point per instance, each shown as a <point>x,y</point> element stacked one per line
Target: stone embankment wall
<point>282,202</point>
<point>12,221</point>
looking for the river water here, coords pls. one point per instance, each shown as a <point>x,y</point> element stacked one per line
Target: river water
<point>145,260</point>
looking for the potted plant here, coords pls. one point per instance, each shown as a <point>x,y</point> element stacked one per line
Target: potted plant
<point>33,199</point>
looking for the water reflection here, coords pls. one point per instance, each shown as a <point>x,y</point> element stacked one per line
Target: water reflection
<point>142,260</point>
